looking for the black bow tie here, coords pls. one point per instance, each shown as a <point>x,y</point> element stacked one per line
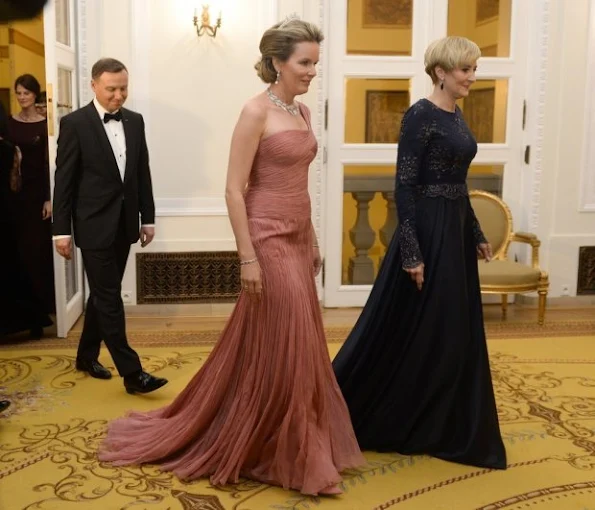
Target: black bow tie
<point>112,116</point>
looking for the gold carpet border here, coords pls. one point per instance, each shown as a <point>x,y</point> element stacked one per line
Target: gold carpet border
<point>555,490</point>
<point>334,334</point>
<point>450,481</point>
<point>532,329</point>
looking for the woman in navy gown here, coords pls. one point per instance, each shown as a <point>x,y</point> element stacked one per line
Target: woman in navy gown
<point>415,371</point>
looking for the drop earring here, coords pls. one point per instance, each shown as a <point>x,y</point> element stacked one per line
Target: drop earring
<point>441,85</point>
<point>278,76</point>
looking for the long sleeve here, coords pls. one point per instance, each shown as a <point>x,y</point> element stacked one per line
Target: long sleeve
<point>145,186</point>
<point>413,142</point>
<point>67,166</point>
<point>477,233</point>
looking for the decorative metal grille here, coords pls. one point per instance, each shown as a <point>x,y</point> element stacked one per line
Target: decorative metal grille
<point>188,277</point>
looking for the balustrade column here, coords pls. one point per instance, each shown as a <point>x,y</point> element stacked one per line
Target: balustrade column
<point>361,267</point>
<point>390,225</point>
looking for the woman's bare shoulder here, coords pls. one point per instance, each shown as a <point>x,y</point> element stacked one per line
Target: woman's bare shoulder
<point>255,108</point>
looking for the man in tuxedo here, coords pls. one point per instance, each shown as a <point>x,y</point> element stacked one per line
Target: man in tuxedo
<point>102,185</point>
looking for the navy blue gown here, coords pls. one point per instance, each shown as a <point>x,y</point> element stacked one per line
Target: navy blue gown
<point>415,371</point>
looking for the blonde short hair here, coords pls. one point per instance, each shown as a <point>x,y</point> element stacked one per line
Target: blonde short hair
<point>279,41</point>
<point>450,53</point>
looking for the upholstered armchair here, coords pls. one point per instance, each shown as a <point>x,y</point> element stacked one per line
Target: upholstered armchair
<point>502,275</point>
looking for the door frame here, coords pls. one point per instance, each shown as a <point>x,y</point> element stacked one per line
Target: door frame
<point>68,309</point>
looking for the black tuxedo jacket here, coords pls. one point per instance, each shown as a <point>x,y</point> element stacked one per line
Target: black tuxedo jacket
<point>89,192</point>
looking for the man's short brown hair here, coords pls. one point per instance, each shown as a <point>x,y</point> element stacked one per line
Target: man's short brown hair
<point>107,65</point>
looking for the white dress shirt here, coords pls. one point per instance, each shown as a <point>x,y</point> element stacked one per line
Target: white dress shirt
<point>117,139</point>
<point>115,134</point>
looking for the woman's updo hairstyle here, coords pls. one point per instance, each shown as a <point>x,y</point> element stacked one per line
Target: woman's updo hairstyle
<point>279,41</point>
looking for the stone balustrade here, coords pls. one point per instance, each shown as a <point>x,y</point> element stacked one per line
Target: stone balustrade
<point>363,189</point>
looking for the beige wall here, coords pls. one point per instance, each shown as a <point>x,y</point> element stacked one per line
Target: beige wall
<point>561,225</point>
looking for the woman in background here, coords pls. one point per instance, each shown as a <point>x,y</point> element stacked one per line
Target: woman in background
<point>21,308</point>
<point>30,208</point>
<point>415,371</point>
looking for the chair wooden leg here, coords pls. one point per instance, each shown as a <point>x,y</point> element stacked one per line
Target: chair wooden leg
<point>504,306</point>
<point>541,308</point>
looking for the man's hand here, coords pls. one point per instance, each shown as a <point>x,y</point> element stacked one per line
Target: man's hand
<point>64,247</point>
<point>146,235</point>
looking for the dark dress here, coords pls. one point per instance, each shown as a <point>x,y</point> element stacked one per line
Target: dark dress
<point>414,371</point>
<point>33,234</point>
<point>21,310</point>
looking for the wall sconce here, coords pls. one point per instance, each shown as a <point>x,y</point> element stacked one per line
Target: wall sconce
<point>204,23</point>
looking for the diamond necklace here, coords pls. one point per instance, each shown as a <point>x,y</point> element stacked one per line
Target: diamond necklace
<point>293,109</point>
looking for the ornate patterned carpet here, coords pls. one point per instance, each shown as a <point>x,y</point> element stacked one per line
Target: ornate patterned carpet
<point>334,334</point>
<point>546,396</point>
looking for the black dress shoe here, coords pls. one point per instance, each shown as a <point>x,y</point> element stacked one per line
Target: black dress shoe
<point>143,383</point>
<point>4,405</point>
<point>93,368</point>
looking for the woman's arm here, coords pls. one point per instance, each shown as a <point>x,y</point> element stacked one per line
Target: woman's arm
<point>244,144</point>
<point>317,259</point>
<point>65,177</point>
<point>477,232</point>
<point>412,146</point>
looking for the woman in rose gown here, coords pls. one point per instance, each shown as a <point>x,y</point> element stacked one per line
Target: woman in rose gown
<point>265,405</point>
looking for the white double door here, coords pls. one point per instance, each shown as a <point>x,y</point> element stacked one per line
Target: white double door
<point>61,86</point>
<point>375,70</point>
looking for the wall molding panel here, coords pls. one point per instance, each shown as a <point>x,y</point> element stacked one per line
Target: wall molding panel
<point>587,179</point>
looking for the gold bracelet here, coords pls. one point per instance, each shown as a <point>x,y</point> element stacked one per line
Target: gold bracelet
<point>246,262</point>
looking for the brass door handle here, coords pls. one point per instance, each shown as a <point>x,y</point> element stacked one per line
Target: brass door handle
<point>50,111</point>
